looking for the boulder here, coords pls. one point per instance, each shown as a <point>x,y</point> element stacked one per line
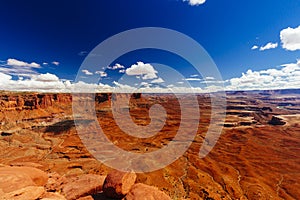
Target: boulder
<point>117,184</point>
<point>52,196</point>
<point>14,178</point>
<point>141,191</point>
<point>28,193</point>
<point>82,185</point>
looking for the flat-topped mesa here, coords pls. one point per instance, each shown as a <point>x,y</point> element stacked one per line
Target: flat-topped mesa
<point>30,101</point>
<point>26,101</point>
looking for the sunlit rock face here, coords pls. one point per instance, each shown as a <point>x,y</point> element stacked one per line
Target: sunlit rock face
<point>256,157</point>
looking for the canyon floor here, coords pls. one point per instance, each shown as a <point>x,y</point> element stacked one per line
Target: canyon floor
<point>256,157</point>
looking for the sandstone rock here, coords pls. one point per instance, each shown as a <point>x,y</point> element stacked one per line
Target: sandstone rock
<point>83,185</point>
<point>117,184</point>
<point>10,181</point>
<point>228,172</point>
<point>52,196</point>
<point>141,191</point>
<point>32,101</point>
<point>26,164</point>
<point>45,100</point>
<point>55,182</point>
<point>14,178</point>
<point>86,198</point>
<point>28,193</point>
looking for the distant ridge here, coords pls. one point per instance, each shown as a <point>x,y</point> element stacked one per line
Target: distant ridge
<point>265,92</point>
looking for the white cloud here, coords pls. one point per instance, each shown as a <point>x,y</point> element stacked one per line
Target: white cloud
<point>117,66</point>
<point>141,69</point>
<point>194,75</point>
<point>290,38</point>
<point>19,68</point>
<point>49,83</point>
<point>18,71</point>
<point>87,72</point>
<point>193,79</point>
<point>288,76</point>
<point>159,80</point>
<point>270,45</point>
<point>195,2</point>
<point>18,63</point>
<point>45,77</point>
<point>55,63</point>
<point>45,63</point>
<point>283,77</point>
<point>101,73</point>
<point>42,82</point>
<point>4,77</point>
<point>209,78</point>
<point>145,84</point>
<point>122,71</point>
<point>254,47</point>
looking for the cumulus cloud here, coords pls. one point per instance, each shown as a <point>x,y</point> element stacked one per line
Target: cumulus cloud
<point>101,73</point>
<point>290,38</point>
<point>49,83</point>
<point>86,72</point>
<point>146,88</point>
<point>122,71</point>
<point>45,77</point>
<point>159,80</point>
<point>18,63</point>
<point>42,82</point>
<point>4,77</point>
<point>285,77</point>
<point>146,71</point>
<point>117,66</point>
<point>55,63</point>
<point>18,71</point>
<point>18,68</point>
<point>195,2</point>
<point>270,45</point>
<point>254,47</point>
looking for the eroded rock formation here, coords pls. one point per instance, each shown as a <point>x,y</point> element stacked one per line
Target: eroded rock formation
<point>251,160</point>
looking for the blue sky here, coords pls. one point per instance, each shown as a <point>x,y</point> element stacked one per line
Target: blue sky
<point>57,35</point>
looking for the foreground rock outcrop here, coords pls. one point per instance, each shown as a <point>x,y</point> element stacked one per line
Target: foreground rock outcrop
<point>29,183</point>
<point>117,184</point>
<point>141,191</point>
<point>29,192</point>
<point>83,185</point>
<point>14,178</point>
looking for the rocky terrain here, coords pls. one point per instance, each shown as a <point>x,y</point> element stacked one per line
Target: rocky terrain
<point>256,157</point>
